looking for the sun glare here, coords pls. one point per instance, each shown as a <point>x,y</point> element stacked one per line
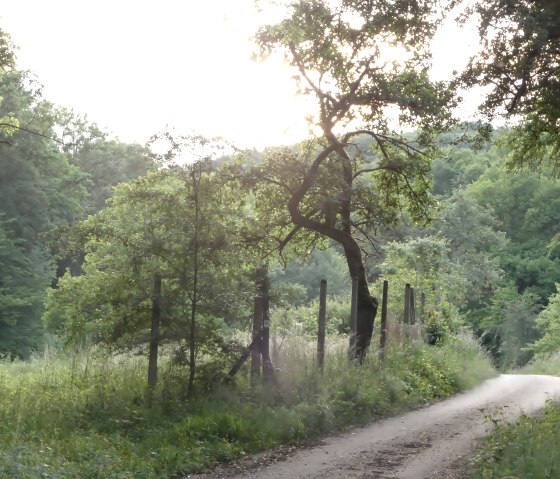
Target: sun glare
<point>180,65</point>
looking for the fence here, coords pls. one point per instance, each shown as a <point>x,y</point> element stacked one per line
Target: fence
<point>393,328</point>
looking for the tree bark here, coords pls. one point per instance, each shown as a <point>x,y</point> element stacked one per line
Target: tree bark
<point>367,304</point>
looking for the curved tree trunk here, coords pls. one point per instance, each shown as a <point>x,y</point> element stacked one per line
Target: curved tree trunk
<point>367,304</point>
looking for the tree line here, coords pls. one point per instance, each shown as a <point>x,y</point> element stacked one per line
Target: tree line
<point>91,220</point>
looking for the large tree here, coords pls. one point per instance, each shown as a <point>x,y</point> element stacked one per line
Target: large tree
<point>182,223</point>
<point>519,64</point>
<point>366,64</point>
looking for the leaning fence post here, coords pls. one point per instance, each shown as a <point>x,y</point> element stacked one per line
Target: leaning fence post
<point>322,323</point>
<point>383,325</point>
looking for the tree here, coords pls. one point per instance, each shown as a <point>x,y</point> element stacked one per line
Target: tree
<point>548,323</point>
<point>527,207</point>
<point>508,325</point>
<point>519,63</point>
<point>39,190</point>
<point>473,237</point>
<point>332,187</point>
<point>322,264</point>
<point>8,121</point>
<point>25,277</point>
<point>179,222</point>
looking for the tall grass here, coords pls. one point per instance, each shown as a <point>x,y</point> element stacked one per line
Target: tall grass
<point>87,415</point>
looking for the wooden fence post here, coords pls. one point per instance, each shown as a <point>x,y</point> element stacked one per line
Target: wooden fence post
<point>322,325</point>
<point>353,320</point>
<point>383,325</point>
<point>422,306</point>
<point>406,304</point>
<point>412,306</point>
<point>257,329</point>
<point>268,368</point>
<point>154,332</point>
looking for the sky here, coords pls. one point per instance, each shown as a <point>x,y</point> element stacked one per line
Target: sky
<point>139,67</point>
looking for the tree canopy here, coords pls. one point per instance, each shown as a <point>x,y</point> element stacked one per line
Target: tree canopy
<point>341,190</point>
<point>519,63</point>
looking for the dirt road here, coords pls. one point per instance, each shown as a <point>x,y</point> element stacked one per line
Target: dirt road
<point>431,442</point>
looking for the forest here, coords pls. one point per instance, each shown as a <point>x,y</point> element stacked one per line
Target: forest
<point>160,301</point>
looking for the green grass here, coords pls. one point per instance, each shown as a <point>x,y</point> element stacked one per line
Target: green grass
<point>543,365</point>
<point>87,416</point>
<point>528,448</point>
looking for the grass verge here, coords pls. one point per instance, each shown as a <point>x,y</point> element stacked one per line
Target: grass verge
<point>87,416</point>
<point>528,448</point>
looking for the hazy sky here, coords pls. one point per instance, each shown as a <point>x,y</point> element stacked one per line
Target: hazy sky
<point>137,66</point>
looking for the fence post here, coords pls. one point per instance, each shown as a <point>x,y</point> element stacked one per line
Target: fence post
<point>412,305</point>
<point>322,324</point>
<point>353,319</point>
<point>268,368</point>
<point>383,325</point>
<point>257,328</point>
<point>154,332</point>
<point>406,304</point>
<point>422,306</point>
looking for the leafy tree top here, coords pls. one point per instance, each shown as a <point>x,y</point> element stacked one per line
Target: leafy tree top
<point>519,62</point>
<point>340,52</point>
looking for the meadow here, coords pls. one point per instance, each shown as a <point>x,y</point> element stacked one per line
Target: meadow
<point>89,414</point>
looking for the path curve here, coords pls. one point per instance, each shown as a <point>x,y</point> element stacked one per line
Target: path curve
<point>430,442</point>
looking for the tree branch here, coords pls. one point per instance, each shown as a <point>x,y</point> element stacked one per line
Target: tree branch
<point>32,132</point>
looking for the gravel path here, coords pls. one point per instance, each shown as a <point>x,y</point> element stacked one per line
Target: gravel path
<point>432,442</point>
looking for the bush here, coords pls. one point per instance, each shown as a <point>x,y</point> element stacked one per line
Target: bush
<point>526,449</point>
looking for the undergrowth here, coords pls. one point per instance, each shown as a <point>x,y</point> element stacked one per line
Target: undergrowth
<point>528,448</point>
<point>88,416</point>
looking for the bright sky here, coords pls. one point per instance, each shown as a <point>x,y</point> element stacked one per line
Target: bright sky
<point>136,67</point>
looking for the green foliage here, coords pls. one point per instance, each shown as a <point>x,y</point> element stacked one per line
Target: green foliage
<point>543,364</point>
<point>518,61</point>
<point>86,415</point>
<point>288,319</point>
<point>183,223</point>
<point>337,186</point>
<point>52,167</point>
<point>524,449</point>
<point>525,205</point>
<point>424,263</point>
<point>473,234</point>
<point>22,286</point>
<point>322,264</point>
<point>509,325</point>
<point>108,163</point>
<point>548,323</point>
